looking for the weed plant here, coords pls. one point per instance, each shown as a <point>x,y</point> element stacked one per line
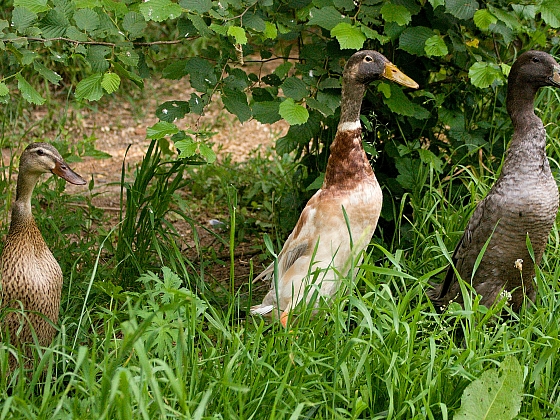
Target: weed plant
<point>141,336</point>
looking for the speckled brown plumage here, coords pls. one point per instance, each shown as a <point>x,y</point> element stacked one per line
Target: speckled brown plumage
<point>321,242</point>
<point>30,277</point>
<point>523,201</point>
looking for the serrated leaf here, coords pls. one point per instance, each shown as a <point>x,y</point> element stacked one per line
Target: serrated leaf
<point>161,129</point>
<point>550,12</point>
<point>462,9</point>
<point>48,74</point>
<point>313,103</point>
<point>399,103</point>
<point>87,4</point>
<point>200,25</point>
<point>294,88</point>
<point>28,92</point>
<point>436,3</point>
<point>172,110</point>
<point>270,31</point>
<point>293,113</point>
<point>4,89</point>
<point>483,74</point>
<point>129,57</point>
<point>326,17</point>
<point>35,6</point>
<point>235,102</point>
<point>238,33</point>
<point>90,88</point>
<point>199,6</point>
<point>74,33</point>
<point>207,153</point>
<point>496,395</point>
<point>134,24</point>
<point>396,13</point>
<point>96,57</point>
<point>254,21</point>
<point>86,19</point>
<point>483,19</point>
<point>435,46</point>
<point>266,112</point>
<point>429,158</point>
<point>54,24</point>
<point>186,147</point>
<point>22,18</point>
<point>413,40</point>
<point>176,70</point>
<point>160,10</point>
<point>201,73</point>
<point>110,82</point>
<point>348,36</point>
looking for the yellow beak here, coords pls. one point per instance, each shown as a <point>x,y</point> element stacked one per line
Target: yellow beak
<point>393,73</point>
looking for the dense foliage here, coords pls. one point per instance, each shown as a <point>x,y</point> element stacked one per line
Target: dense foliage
<point>146,333</point>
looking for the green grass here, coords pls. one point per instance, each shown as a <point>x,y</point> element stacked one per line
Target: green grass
<point>144,332</point>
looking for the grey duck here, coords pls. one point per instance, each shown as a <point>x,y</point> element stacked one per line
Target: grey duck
<point>523,201</point>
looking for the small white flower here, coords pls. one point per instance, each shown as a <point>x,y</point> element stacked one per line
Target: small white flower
<point>519,264</point>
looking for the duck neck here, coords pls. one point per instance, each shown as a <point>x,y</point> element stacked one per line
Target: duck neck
<point>21,210</point>
<point>348,163</point>
<point>527,147</point>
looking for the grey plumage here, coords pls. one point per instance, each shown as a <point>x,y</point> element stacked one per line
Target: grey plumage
<point>523,201</point>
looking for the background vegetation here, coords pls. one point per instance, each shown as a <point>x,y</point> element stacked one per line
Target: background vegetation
<point>145,333</point>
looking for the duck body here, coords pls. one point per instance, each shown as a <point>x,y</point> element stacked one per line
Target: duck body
<point>338,222</point>
<point>522,203</point>
<point>30,276</point>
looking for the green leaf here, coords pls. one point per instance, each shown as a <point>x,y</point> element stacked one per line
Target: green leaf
<point>254,21</point>
<point>326,17</point>
<point>348,36</point>
<point>435,46</point>
<point>22,18</point>
<point>48,74</point>
<point>201,73</point>
<point>550,12</point>
<point>134,24</point>
<point>462,9</point>
<point>186,147</point>
<point>294,88</point>
<point>96,57</point>
<point>35,6</point>
<point>238,33</point>
<point>413,40</point>
<point>172,110</point>
<point>483,74</point>
<point>74,33</point>
<point>28,92</point>
<point>54,24</point>
<point>293,113</point>
<point>176,70</point>
<point>436,3</point>
<point>110,82</point>
<point>86,19</point>
<point>161,129</point>
<point>160,10</point>
<point>129,57</point>
<point>270,30</point>
<point>207,153</point>
<point>483,19</point>
<point>266,112</point>
<point>399,103</point>
<point>4,89</point>
<point>396,13</point>
<point>496,395</point>
<point>235,102</point>
<point>313,103</point>
<point>90,88</point>
<point>429,158</point>
<point>199,6</point>
<point>200,25</point>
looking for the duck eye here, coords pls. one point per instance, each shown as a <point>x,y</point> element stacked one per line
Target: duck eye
<point>40,152</point>
<point>536,60</point>
<point>368,59</point>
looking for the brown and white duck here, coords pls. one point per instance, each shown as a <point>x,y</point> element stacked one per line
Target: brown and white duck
<point>30,277</point>
<point>523,201</point>
<point>321,248</point>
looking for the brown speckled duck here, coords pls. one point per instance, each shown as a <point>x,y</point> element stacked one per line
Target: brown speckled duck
<point>523,201</point>
<point>28,271</point>
<point>321,241</point>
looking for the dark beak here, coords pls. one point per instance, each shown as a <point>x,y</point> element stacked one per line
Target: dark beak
<point>393,73</point>
<point>555,78</point>
<point>63,170</point>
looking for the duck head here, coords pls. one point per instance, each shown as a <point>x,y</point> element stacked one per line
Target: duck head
<point>537,68</point>
<point>366,66</point>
